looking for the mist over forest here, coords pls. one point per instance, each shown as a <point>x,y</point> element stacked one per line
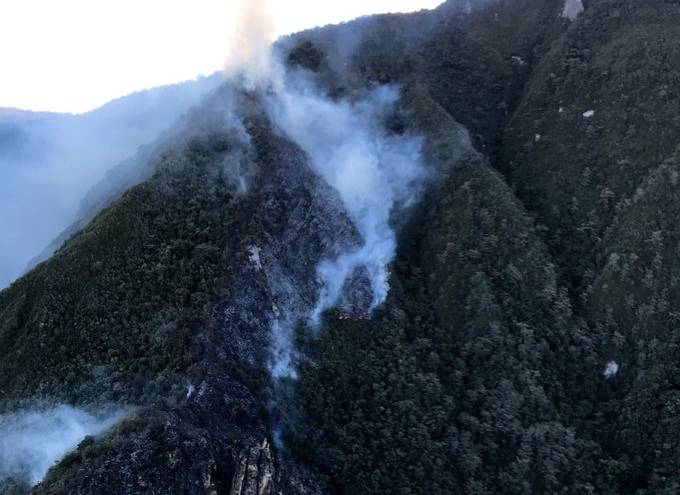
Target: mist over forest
<point>49,162</point>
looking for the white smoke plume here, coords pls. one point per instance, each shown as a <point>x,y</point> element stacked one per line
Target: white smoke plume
<point>373,171</point>
<point>31,442</point>
<point>572,9</point>
<point>283,351</point>
<point>250,43</point>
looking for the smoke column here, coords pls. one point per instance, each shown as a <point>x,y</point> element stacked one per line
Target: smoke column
<point>374,172</point>
<point>250,43</point>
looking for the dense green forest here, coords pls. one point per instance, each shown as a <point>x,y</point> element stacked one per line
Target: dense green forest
<point>529,341</point>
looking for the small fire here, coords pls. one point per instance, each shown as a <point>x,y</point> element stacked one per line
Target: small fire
<point>345,317</point>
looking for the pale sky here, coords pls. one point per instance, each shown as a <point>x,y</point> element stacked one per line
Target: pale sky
<point>75,55</point>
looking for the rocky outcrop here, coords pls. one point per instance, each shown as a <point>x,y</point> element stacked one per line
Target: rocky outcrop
<point>254,471</point>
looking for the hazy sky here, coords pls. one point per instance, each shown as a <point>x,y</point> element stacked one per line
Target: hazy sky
<point>74,55</point>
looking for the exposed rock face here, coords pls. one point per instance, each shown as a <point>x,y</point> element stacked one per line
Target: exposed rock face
<point>254,472</point>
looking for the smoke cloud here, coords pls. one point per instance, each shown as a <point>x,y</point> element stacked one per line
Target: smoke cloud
<point>250,44</point>
<point>48,162</point>
<point>572,9</point>
<point>374,172</point>
<point>31,442</point>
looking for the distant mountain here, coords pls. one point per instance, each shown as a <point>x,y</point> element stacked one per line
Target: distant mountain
<point>438,255</point>
<point>49,161</point>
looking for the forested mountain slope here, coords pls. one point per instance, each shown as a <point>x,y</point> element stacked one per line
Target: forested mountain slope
<point>49,161</point>
<point>528,344</point>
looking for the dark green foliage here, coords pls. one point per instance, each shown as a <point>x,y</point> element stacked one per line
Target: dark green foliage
<point>635,299</point>
<point>522,319</point>
<point>376,416</point>
<point>473,66</point>
<point>306,55</point>
<point>114,314</point>
<point>620,61</point>
<point>458,379</point>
